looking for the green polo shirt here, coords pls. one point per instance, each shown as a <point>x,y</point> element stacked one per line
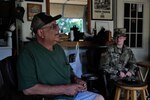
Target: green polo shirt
<point>37,65</point>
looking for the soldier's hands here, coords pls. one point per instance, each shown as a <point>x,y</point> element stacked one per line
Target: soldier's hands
<point>122,74</point>
<point>128,74</point>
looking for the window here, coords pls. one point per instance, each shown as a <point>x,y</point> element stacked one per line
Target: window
<point>66,23</point>
<point>133,22</point>
<point>73,15</point>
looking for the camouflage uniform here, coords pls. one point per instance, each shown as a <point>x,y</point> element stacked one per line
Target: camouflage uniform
<point>115,60</point>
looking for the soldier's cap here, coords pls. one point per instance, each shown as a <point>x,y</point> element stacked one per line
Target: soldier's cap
<point>119,32</point>
<point>41,19</point>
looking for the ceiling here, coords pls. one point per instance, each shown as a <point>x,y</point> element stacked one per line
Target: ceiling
<point>77,2</point>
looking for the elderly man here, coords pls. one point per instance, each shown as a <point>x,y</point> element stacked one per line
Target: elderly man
<point>43,68</point>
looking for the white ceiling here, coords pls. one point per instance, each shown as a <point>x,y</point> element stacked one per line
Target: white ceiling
<point>78,2</point>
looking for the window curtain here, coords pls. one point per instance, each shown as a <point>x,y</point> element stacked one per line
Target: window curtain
<point>67,10</point>
<point>56,9</point>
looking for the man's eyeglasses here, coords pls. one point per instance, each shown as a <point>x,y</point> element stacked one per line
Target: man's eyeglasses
<point>52,26</point>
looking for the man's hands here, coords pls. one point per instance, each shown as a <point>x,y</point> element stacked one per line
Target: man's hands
<point>73,89</point>
<point>81,82</point>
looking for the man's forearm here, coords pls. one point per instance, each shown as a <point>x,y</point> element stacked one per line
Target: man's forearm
<point>40,89</point>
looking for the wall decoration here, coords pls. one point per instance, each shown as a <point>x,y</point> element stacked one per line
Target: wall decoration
<point>35,0</point>
<point>101,9</point>
<point>33,9</point>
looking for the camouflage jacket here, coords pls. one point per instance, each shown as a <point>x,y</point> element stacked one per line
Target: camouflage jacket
<point>115,60</point>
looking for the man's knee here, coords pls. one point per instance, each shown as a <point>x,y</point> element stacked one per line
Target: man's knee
<point>99,97</point>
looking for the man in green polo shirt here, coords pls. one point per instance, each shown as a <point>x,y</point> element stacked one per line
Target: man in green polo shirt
<point>43,68</point>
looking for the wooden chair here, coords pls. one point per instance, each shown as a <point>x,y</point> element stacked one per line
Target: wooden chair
<point>130,90</point>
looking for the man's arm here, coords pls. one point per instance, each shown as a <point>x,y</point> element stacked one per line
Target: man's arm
<point>132,63</point>
<point>106,63</point>
<point>40,89</point>
<point>69,89</point>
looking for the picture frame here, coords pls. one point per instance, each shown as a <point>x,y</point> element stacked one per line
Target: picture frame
<point>101,9</point>
<point>35,0</point>
<point>33,9</point>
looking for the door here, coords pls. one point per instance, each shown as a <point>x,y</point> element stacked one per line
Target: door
<point>134,16</point>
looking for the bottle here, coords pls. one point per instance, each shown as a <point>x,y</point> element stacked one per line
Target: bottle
<point>71,35</point>
<point>95,30</point>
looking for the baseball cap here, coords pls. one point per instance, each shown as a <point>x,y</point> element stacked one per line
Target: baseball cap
<point>41,19</point>
<point>119,32</point>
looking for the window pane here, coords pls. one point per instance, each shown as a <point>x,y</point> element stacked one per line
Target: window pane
<point>139,40</point>
<point>133,22</point>
<point>140,10</point>
<point>126,24</point>
<point>133,10</point>
<point>127,40</point>
<point>133,25</point>
<point>140,26</point>
<point>133,40</point>
<point>127,10</point>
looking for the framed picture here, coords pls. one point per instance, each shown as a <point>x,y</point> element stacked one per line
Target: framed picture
<point>33,9</point>
<point>101,9</point>
<point>35,0</point>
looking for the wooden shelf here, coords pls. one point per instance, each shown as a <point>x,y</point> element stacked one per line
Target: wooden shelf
<point>71,44</point>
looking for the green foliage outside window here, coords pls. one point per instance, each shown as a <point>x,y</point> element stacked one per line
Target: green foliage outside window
<point>66,23</point>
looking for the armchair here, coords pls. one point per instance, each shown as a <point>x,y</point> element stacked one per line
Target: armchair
<point>8,81</point>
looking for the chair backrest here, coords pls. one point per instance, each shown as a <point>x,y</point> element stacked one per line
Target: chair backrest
<point>9,83</point>
<point>8,71</point>
<point>93,59</point>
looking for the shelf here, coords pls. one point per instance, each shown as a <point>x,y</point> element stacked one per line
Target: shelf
<point>71,44</point>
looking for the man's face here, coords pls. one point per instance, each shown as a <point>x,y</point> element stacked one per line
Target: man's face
<point>120,40</point>
<point>51,32</point>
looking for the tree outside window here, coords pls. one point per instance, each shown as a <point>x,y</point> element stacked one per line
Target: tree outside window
<point>66,23</point>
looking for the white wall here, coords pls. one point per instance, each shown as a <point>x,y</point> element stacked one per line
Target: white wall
<point>26,32</point>
<point>149,33</point>
<point>108,25</point>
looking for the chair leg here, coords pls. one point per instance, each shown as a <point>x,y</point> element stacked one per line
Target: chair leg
<point>143,95</point>
<point>133,95</point>
<point>106,85</point>
<point>117,94</point>
<point>127,94</point>
<point>147,92</point>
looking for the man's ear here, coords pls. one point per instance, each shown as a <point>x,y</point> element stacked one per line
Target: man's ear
<point>40,33</point>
